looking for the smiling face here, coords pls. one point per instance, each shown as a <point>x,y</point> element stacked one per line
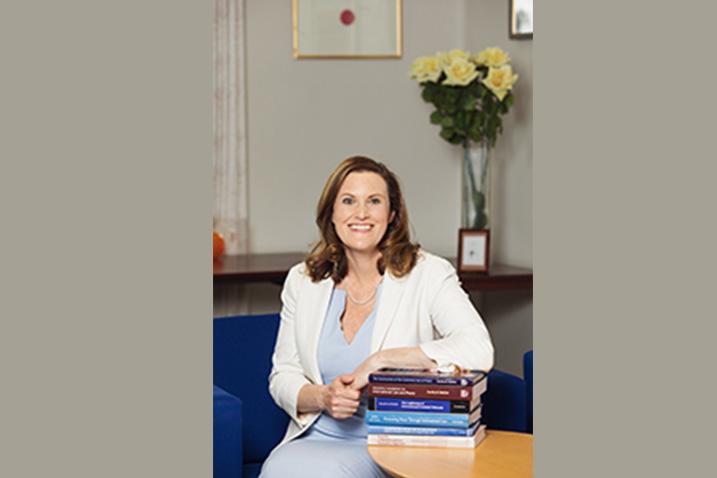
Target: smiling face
<point>362,211</point>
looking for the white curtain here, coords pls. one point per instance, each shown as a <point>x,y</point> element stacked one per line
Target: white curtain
<point>229,151</point>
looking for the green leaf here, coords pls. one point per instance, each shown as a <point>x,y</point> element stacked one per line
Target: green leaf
<point>460,120</point>
<point>427,94</point>
<point>446,133</point>
<point>492,124</point>
<point>480,221</point>
<point>442,101</point>
<point>436,117</point>
<point>447,121</point>
<point>487,101</point>
<point>479,200</point>
<point>469,103</point>
<point>471,119</point>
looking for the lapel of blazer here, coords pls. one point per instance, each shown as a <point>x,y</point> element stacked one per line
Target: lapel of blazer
<point>391,293</point>
<point>318,294</point>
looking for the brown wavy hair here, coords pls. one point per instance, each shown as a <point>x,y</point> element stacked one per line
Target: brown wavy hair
<point>328,257</point>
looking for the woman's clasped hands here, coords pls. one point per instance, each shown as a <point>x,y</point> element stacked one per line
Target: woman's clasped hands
<point>340,398</point>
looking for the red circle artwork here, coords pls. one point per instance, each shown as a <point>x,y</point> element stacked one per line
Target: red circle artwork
<point>347,17</point>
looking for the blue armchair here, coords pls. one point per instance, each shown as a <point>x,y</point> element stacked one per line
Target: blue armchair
<point>242,361</point>
<point>227,434</point>
<point>528,374</point>
<point>247,422</point>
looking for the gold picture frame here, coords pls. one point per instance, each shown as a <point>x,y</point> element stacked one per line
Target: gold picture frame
<point>346,29</point>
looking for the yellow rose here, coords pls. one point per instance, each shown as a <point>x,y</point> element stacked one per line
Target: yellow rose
<point>494,57</point>
<point>426,68</point>
<point>500,80</point>
<point>460,72</point>
<point>447,58</point>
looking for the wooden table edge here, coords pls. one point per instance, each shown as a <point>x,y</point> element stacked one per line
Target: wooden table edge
<point>399,474</point>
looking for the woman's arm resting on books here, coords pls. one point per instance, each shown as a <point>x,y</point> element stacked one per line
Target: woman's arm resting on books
<point>338,399</point>
<point>401,357</point>
<point>464,338</point>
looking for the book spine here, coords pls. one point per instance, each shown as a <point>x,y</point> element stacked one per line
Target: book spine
<point>379,378</point>
<point>434,441</point>
<point>420,391</point>
<point>427,431</point>
<point>411,405</point>
<point>439,420</point>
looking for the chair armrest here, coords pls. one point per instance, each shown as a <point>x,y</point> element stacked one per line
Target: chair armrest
<point>528,374</point>
<point>504,402</point>
<point>227,435</point>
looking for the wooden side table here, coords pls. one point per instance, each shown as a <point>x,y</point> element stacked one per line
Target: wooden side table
<point>250,268</point>
<point>499,455</point>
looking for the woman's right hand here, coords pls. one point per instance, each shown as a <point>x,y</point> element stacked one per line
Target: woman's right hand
<point>340,400</point>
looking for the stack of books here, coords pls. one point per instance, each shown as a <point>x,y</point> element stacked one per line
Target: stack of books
<point>424,408</point>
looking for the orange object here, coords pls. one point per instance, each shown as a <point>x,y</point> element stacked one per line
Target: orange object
<point>218,244</point>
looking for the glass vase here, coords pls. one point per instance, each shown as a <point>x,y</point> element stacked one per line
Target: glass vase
<point>475,177</point>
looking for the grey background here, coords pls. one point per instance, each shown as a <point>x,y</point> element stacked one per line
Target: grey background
<point>105,200</point>
<point>624,239</point>
<point>106,304</point>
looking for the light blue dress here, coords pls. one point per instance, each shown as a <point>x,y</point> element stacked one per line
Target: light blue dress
<point>332,448</point>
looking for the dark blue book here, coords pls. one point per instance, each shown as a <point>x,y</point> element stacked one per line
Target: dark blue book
<point>389,404</point>
<point>428,431</point>
<point>463,378</point>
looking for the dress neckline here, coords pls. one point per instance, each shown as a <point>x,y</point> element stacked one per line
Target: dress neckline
<point>342,308</point>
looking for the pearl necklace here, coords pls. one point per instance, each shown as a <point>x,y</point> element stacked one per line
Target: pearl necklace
<point>357,302</point>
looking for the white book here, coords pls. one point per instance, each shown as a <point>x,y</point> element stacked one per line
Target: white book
<point>435,441</point>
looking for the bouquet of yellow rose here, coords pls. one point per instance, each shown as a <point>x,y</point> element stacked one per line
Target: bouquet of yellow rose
<point>469,92</point>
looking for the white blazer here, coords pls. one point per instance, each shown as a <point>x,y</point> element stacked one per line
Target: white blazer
<point>426,308</point>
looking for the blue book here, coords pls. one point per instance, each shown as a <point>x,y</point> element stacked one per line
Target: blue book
<point>390,404</point>
<point>428,419</point>
<point>429,431</point>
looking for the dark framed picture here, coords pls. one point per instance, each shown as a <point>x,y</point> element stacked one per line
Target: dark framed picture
<point>473,247</point>
<point>344,29</point>
<point>521,19</point>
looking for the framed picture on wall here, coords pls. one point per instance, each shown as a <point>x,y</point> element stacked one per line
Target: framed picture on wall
<point>473,250</point>
<point>346,29</point>
<point>521,19</point>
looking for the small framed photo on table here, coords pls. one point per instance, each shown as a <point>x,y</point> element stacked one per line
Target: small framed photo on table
<point>473,250</point>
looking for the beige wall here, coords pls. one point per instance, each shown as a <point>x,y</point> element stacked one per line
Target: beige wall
<point>486,24</point>
<point>307,115</point>
<point>304,116</point>
<point>509,315</point>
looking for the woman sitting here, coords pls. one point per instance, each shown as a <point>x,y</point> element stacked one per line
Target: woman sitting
<point>365,298</point>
